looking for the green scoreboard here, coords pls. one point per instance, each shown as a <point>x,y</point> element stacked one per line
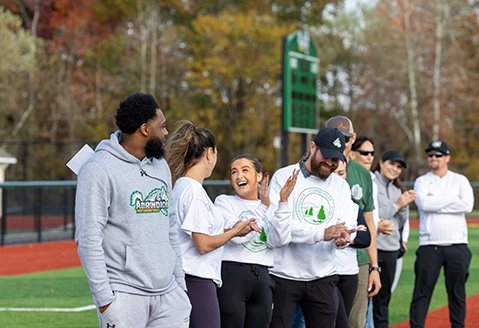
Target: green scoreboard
<point>300,71</point>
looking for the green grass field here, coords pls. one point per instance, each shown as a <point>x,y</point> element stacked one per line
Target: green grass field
<point>69,289</point>
<point>50,289</point>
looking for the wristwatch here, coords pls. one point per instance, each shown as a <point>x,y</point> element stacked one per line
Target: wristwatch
<point>373,268</point>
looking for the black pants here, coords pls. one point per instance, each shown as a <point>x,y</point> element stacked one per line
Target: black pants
<point>429,259</point>
<point>387,261</point>
<point>245,297</point>
<point>348,285</point>
<point>319,300</point>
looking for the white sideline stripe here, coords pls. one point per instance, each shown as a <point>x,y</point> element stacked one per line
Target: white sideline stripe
<point>17,309</point>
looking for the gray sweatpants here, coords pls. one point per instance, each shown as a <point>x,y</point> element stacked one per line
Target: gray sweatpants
<point>129,310</point>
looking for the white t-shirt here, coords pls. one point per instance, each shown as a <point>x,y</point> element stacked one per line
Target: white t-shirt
<point>346,258</point>
<point>376,217</point>
<point>195,212</point>
<point>254,248</point>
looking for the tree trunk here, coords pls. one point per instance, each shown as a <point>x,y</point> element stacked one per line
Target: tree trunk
<point>439,32</point>
<point>153,27</point>
<point>412,80</point>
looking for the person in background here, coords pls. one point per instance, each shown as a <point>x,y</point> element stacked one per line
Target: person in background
<point>304,271</point>
<point>346,262</point>
<point>394,200</point>
<point>362,151</point>
<point>360,182</point>
<point>192,154</point>
<point>443,198</point>
<point>127,241</point>
<point>246,295</point>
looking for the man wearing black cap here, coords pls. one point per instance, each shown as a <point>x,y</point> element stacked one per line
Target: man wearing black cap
<point>443,198</point>
<point>304,271</point>
<point>360,182</point>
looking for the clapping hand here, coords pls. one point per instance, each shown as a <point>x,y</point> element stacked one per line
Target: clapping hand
<point>335,231</point>
<point>263,190</point>
<point>288,186</point>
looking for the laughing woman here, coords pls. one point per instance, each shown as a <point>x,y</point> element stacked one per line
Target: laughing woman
<point>191,154</point>
<point>246,296</point>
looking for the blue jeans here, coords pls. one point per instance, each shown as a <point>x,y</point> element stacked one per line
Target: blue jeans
<point>369,315</point>
<point>298,320</point>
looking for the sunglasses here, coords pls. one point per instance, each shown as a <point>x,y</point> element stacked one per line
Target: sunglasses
<point>366,153</point>
<point>435,155</point>
<point>346,139</point>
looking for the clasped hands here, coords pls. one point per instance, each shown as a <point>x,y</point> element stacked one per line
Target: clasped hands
<point>341,234</point>
<point>242,228</point>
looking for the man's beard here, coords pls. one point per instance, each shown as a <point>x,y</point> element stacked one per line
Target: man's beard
<point>321,169</point>
<point>155,147</point>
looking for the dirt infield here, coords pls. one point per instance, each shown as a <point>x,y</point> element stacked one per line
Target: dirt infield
<point>27,258</point>
<point>440,318</point>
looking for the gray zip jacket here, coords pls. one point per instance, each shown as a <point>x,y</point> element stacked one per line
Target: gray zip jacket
<point>125,237</point>
<point>388,194</point>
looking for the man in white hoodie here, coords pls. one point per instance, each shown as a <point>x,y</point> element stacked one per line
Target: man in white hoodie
<point>443,198</point>
<point>127,242</point>
<point>304,271</point>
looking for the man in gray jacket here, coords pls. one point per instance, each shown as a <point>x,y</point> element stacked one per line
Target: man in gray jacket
<point>127,243</point>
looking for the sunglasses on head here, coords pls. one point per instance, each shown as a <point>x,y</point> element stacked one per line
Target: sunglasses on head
<point>435,155</point>
<point>366,153</point>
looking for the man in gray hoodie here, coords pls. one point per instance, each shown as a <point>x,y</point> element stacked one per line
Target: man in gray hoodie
<point>127,242</point>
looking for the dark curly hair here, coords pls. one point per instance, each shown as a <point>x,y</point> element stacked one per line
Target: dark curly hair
<point>135,110</point>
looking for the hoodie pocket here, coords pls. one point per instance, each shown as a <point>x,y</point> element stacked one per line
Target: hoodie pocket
<point>150,266</point>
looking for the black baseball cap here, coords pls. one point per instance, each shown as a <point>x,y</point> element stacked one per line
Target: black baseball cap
<point>438,147</point>
<point>394,155</point>
<point>330,142</point>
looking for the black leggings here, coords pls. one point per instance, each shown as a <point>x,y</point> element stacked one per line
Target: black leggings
<point>205,311</point>
<point>387,261</point>
<point>246,297</point>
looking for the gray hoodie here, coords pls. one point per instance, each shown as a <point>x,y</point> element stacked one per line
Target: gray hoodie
<point>388,194</point>
<point>125,237</point>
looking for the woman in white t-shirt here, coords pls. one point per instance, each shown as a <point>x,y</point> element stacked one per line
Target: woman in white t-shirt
<point>246,296</point>
<point>191,154</point>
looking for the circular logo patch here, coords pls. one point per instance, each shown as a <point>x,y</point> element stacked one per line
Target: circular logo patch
<point>315,206</point>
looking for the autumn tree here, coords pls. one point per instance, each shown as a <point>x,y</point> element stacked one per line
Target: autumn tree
<point>234,68</point>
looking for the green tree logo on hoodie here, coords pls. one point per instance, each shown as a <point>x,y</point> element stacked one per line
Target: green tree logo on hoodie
<point>156,201</point>
<point>314,206</point>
